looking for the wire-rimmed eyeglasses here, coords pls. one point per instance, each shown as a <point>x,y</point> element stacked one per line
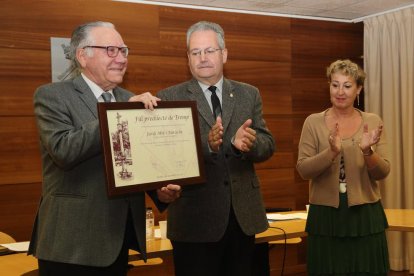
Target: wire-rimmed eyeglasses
<point>207,52</point>
<point>112,51</point>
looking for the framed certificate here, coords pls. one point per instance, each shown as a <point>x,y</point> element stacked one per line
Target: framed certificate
<point>147,149</point>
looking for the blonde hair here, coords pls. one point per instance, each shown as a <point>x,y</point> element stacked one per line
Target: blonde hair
<point>347,68</point>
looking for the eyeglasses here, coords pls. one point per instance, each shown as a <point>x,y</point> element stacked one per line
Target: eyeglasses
<point>112,51</point>
<point>207,52</point>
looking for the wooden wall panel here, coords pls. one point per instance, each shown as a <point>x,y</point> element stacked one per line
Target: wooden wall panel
<point>281,129</point>
<point>305,92</point>
<point>276,185</point>
<point>22,27</point>
<point>248,37</point>
<point>21,71</point>
<point>316,45</point>
<point>153,73</point>
<point>19,151</point>
<point>285,58</point>
<point>259,73</point>
<point>18,205</point>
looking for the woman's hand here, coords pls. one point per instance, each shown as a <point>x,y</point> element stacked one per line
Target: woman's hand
<point>370,138</point>
<point>335,141</point>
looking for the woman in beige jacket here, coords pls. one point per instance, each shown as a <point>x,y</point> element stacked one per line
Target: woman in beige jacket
<point>342,151</point>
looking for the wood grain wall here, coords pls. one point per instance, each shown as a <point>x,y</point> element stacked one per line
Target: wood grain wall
<point>285,58</point>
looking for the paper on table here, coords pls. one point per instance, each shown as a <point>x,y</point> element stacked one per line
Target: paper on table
<point>157,233</point>
<point>17,246</point>
<point>287,216</point>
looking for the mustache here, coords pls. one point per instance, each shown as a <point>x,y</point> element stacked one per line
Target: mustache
<point>204,65</point>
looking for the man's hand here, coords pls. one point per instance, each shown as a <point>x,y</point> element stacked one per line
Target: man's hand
<point>215,136</point>
<point>245,137</point>
<point>169,193</point>
<point>147,99</point>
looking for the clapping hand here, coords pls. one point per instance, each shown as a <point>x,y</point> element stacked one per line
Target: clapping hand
<point>335,141</point>
<point>370,138</point>
<point>245,137</point>
<point>215,135</point>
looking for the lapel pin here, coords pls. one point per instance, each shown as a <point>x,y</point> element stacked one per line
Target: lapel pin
<point>231,95</point>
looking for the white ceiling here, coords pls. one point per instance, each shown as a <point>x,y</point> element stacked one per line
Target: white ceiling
<point>332,10</point>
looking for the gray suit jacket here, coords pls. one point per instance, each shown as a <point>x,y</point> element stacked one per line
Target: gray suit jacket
<point>76,222</point>
<point>201,213</point>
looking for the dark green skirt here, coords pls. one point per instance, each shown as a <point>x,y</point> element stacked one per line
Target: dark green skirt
<point>347,241</point>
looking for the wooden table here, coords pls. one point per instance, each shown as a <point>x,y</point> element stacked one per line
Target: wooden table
<point>155,248</point>
<point>291,229</point>
<point>18,264</point>
<point>21,264</point>
<point>400,219</point>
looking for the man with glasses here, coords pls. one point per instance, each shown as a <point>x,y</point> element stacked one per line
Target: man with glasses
<point>213,225</point>
<point>78,230</point>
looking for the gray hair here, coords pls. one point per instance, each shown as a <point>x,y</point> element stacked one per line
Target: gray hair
<point>207,26</point>
<point>346,68</point>
<point>80,38</point>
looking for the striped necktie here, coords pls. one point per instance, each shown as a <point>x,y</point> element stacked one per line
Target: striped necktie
<point>107,97</point>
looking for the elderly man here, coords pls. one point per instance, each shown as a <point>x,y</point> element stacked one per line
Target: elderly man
<point>78,230</point>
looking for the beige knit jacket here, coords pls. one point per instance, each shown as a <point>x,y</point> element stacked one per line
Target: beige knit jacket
<point>315,164</point>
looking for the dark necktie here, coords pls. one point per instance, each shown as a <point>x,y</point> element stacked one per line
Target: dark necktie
<point>107,97</point>
<point>215,102</point>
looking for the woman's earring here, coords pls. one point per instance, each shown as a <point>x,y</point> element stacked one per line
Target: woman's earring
<point>358,99</point>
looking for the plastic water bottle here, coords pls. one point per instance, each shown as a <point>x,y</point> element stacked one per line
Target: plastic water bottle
<point>149,226</point>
